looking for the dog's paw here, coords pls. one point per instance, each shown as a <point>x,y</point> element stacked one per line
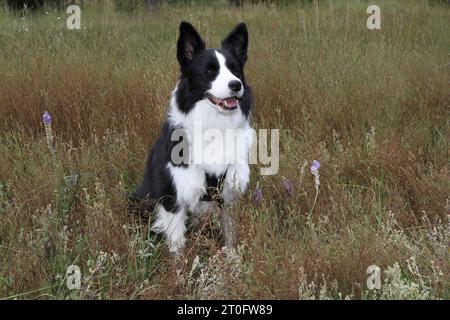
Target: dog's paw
<point>176,246</point>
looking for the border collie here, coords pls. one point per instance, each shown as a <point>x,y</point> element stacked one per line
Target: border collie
<point>211,94</point>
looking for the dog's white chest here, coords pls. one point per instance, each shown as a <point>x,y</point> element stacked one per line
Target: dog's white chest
<point>216,141</point>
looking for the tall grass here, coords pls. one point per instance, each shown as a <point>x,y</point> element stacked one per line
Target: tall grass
<point>372,106</point>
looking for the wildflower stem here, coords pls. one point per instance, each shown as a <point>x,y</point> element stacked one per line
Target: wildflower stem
<point>314,203</point>
<point>49,138</point>
<point>315,166</point>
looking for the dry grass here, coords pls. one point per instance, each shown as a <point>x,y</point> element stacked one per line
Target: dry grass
<point>373,107</point>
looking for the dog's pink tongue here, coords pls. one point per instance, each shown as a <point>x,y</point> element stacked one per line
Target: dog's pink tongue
<point>231,102</point>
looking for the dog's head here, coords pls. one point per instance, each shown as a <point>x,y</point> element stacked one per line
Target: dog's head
<point>213,75</point>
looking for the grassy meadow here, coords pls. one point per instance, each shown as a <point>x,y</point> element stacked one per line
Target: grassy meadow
<point>371,106</point>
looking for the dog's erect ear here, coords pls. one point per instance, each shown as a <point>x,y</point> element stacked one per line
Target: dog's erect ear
<point>189,43</point>
<point>237,42</point>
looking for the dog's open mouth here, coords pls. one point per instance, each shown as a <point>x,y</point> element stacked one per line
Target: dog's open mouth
<point>230,103</point>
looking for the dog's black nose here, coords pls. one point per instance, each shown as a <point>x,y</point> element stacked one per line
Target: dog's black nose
<point>235,85</point>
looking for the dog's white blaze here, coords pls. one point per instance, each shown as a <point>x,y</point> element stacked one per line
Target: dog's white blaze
<point>219,87</point>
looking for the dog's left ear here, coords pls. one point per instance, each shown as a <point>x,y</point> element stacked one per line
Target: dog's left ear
<point>237,42</point>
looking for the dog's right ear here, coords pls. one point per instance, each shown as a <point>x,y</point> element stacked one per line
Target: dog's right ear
<point>189,44</point>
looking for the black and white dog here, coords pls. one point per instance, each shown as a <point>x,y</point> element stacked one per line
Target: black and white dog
<point>211,99</point>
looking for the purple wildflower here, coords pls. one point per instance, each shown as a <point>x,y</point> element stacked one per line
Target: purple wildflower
<point>46,118</point>
<point>288,187</point>
<point>315,166</point>
<point>258,195</point>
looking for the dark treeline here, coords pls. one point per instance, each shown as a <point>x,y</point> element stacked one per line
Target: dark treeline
<point>133,4</point>
<point>152,4</point>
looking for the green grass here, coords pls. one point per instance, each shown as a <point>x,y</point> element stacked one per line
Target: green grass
<point>372,106</point>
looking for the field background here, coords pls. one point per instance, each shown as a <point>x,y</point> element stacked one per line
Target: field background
<point>372,106</point>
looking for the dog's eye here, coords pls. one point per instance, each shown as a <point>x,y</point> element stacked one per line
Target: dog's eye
<point>209,71</point>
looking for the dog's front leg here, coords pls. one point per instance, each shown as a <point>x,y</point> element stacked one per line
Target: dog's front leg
<point>227,222</point>
<point>236,181</point>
